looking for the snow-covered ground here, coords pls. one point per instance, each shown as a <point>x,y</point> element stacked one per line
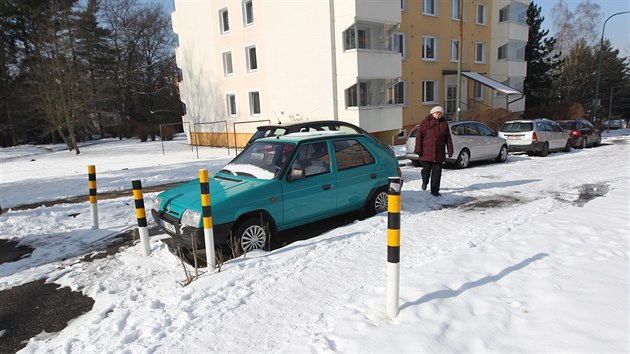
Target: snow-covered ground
<point>526,256</point>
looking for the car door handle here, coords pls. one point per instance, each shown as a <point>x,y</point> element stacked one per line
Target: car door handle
<point>373,175</point>
<point>326,186</point>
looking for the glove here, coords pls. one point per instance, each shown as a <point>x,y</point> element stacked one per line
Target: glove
<point>450,155</point>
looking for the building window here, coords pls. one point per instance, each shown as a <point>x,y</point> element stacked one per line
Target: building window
<point>397,93</point>
<point>515,12</point>
<point>481,17</point>
<point>252,62</point>
<point>254,103</point>
<point>429,7</point>
<point>357,95</point>
<point>429,50</point>
<point>502,52</point>
<point>231,104</point>
<point>454,50</point>
<point>228,70</point>
<point>480,53</point>
<point>513,50</point>
<point>399,44</point>
<point>403,5</point>
<point>478,90</point>
<point>248,12</point>
<point>455,15</point>
<point>224,20</point>
<point>429,92</point>
<point>356,38</point>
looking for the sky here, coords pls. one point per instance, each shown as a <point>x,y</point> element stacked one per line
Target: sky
<point>527,256</point>
<point>617,28</point>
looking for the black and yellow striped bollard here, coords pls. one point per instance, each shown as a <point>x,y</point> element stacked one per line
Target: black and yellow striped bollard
<point>208,234</point>
<point>141,215</point>
<point>92,188</point>
<point>393,247</point>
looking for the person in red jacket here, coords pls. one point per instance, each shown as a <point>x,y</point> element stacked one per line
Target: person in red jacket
<point>433,137</point>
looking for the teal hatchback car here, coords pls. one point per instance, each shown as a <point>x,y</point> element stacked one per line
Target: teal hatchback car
<point>279,183</point>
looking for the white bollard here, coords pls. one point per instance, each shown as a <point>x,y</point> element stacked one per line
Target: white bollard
<point>142,217</point>
<point>92,188</point>
<point>208,234</point>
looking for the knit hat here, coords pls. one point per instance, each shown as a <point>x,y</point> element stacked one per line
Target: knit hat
<point>437,109</point>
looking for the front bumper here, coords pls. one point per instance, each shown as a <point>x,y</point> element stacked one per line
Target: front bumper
<point>186,236</point>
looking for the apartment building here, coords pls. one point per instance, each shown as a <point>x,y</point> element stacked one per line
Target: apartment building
<point>377,64</point>
<point>251,62</point>
<point>489,78</point>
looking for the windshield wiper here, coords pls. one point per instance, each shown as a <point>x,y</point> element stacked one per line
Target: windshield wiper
<point>226,171</point>
<point>245,174</point>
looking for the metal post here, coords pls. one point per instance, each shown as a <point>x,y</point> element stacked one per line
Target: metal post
<point>142,217</point>
<point>393,247</point>
<point>459,60</point>
<point>208,234</point>
<point>92,188</point>
<point>599,65</point>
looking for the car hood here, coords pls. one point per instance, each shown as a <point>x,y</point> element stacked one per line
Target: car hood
<point>188,195</point>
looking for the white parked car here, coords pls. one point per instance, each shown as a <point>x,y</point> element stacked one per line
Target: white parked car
<point>535,137</point>
<point>472,141</point>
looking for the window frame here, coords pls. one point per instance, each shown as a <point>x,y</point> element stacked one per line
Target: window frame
<point>248,58</point>
<point>425,57</point>
<point>481,51</point>
<point>228,65</point>
<point>478,91</point>
<point>399,39</point>
<point>224,20</point>
<point>434,88</point>
<point>248,5</point>
<point>430,3</point>
<point>454,50</point>
<point>231,107</point>
<point>455,15</point>
<point>484,8</point>
<point>255,106</point>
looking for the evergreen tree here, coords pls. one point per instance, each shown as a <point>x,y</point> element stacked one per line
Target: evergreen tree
<point>542,65</point>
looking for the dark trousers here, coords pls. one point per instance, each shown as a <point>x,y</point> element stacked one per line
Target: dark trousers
<point>432,170</point>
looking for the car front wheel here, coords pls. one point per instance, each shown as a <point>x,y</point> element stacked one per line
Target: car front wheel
<point>567,146</point>
<point>251,234</point>
<point>378,202</point>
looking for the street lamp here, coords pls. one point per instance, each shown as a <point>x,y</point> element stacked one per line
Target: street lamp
<point>599,63</point>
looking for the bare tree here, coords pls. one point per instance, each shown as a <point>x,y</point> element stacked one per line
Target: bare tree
<point>588,21</point>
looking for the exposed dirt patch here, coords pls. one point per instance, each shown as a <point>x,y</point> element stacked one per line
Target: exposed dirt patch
<point>494,202</point>
<point>589,192</point>
<point>31,308</point>
<point>11,251</point>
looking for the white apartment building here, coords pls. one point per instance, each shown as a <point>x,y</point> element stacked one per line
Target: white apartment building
<point>246,63</point>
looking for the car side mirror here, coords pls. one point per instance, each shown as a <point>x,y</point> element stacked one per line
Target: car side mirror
<point>295,174</point>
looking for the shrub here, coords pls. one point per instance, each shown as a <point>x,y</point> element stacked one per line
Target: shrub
<point>168,133</point>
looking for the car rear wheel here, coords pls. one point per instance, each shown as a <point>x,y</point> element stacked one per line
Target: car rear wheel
<point>378,202</point>
<point>567,146</point>
<point>251,234</point>
<point>463,159</point>
<point>503,153</point>
<point>598,141</point>
<point>545,150</point>
<point>584,143</point>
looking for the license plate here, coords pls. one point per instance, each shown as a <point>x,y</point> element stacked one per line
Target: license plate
<point>513,137</point>
<point>168,226</point>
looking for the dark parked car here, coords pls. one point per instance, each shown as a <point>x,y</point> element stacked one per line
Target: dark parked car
<point>268,130</point>
<point>583,133</point>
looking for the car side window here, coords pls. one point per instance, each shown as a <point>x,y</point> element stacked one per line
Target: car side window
<point>484,130</point>
<point>350,153</point>
<point>471,129</point>
<point>313,159</point>
<point>456,130</point>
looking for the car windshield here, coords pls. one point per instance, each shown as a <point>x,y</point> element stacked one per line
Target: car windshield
<point>517,127</point>
<point>568,125</point>
<point>260,160</point>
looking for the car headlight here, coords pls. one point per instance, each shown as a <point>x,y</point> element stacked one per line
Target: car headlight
<point>157,201</point>
<point>191,218</point>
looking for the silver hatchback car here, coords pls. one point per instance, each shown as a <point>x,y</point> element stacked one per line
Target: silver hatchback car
<point>472,141</point>
<point>535,137</point>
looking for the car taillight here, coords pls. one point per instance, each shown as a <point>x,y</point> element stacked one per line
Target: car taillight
<point>575,133</point>
<point>534,137</point>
